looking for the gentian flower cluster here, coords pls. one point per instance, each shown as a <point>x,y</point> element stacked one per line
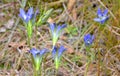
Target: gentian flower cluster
<point>102,16</point>
<point>29,19</point>
<point>57,54</point>
<point>56,31</point>
<point>88,39</point>
<point>37,57</point>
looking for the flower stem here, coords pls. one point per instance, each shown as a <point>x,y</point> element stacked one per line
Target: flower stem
<point>40,71</point>
<point>56,72</point>
<point>101,29</point>
<point>89,59</point>
<point>29,42</point>
<point>35,73</point>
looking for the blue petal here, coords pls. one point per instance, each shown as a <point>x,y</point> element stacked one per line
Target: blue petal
<point>60,51</point>
<point>87,36</point>
<point>30,14</point>
<point>30,11</point>
<point>22,14</point>
<point>99,12</point>
<point>36,12</point>
<point>34,52</point>
<point>93,37</point>
<point>102,22</point>
<point>97,19</point>
<point>43,51</point>
<point>64,25</point>
<point>54,51</point>
<point>52,27</point>
<point>104,19</point>
<point>105,12</point>
<point>59,28</point>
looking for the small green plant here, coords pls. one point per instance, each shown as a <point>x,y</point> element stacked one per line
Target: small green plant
<point>27,20</point>
<point>37,56</point>
<point>71,30</point>
<point>42,18</point>
<point>56,31</point>
<point>57,55</point>
<point>88,40</point>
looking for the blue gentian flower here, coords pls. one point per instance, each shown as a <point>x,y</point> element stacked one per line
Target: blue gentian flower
<point>37,57</point>
<point>88,39</point>
<point>26,16</point>
<point>36,52</point>
<point>57,53</point>
<point>56,31</point>
<point>29,18</point>
<point>102,16</point>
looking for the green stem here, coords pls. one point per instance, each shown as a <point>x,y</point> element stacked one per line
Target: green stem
<point>29,43</point>
<point>101,29</point>
<point>40,71</point>
<point>35,73</point>
<point>56,72</point>
<point>88,59</point>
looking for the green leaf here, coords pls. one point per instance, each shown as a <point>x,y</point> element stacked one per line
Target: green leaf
<point>47,15</point>
<point>43,19</point>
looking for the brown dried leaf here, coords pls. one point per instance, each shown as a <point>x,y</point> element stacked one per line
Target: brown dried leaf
<point>69,49</point>
<point>63,37</point>
<point>71,3</point>
<point>74,14</point>
<point>50,20</point>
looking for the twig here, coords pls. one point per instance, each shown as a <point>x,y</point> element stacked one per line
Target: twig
<point>56,3</point>
<point>8,5</point>
<point>113,31</point>
<point>70,61</point>
<point>116,46</point>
